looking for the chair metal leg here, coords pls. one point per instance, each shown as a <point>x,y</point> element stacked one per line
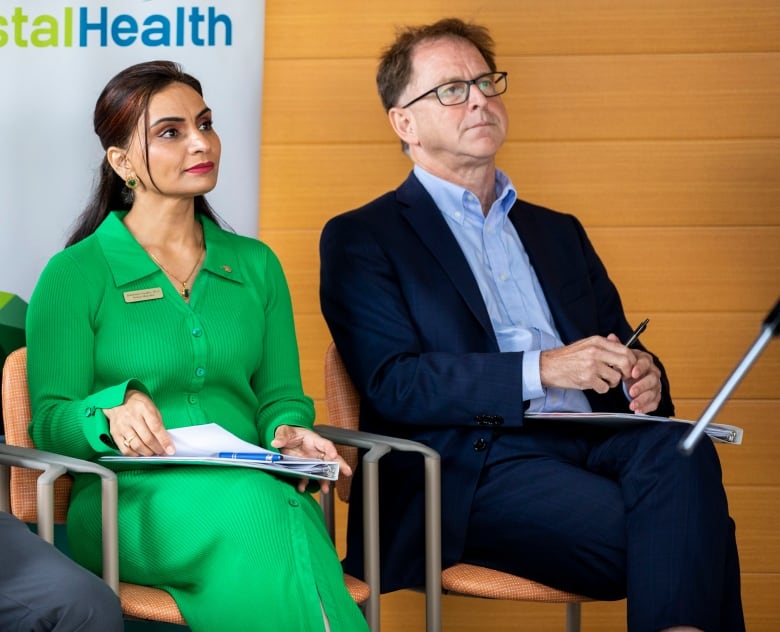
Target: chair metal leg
<point>573,615</point>
<point>371,531</point>
<point>45,491</point>
<point>432,542</point>
<point>378,446</point>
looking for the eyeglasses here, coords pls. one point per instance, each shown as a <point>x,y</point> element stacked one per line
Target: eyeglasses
<point>491,84</point>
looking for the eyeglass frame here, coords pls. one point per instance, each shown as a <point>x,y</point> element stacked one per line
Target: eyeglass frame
<point>469,83</point>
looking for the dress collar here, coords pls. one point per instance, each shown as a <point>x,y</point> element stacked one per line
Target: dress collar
<point>129,262</point>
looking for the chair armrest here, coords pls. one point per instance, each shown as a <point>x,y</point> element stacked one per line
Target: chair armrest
<point>53,466</point>
<point>378,446</point>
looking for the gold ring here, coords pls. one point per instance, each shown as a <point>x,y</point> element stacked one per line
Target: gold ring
<point>128,442</point>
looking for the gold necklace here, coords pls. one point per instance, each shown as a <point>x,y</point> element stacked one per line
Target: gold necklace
<point>185,291</point>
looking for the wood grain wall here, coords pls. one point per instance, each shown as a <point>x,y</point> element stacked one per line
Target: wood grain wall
<point>657,122</point>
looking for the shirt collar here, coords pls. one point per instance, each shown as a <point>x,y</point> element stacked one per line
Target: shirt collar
<point>129,262</point>
<point>458,203</point>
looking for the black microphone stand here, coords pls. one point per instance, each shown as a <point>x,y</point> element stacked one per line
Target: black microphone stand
<point>769,329</point>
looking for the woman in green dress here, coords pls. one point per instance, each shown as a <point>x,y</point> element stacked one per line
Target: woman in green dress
<point>156,318</point>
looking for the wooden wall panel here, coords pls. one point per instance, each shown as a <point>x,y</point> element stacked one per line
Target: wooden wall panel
<point>305,29</point>
<point>759,597</point>
<point>755,461</point>
<point>700,350</point>
<point>678,183</point>
<point>639,183</point>
<point>655,269</point>
<point>702,269</point>
<point>645,96</point>
<point>755,512</point>
<point>656,122</point>
<point>560,97</point>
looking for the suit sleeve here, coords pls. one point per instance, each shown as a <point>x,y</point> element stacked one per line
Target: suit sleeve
<point>415,354</point>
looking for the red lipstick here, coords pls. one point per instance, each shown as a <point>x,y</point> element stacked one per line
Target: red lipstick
<point>200,168</point>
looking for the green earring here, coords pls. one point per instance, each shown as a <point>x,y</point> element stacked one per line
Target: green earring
<point>131,183</point>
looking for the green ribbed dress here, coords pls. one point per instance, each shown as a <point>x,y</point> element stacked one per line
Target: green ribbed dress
<point>238,549</point>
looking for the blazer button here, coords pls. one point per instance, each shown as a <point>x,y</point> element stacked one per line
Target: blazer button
<point>479,445</point>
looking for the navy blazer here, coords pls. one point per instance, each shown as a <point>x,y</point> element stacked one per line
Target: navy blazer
<point>408,319</point>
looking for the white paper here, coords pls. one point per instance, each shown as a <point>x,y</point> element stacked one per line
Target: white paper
<point>201,445</point>
<point>210,440</point>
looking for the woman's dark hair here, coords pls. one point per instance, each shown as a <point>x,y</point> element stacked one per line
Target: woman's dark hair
<point>395,63</point>
<point>124,100</point>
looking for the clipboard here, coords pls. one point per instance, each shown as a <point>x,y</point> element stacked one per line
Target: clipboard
<point>720,433</point>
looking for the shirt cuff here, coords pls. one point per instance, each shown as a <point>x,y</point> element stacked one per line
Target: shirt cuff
<point>95,423</point>
<point>532,379</point>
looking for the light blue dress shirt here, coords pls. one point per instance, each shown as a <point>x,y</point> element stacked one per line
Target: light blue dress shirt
<point>510,288</point>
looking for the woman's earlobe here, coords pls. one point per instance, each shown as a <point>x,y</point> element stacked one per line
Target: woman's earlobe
<point>119,162</point>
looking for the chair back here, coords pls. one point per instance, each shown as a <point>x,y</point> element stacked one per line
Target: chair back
<point>16,418</point>
<point>343,405</point>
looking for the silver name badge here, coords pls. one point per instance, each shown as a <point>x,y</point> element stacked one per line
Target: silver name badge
<point>136,296</point>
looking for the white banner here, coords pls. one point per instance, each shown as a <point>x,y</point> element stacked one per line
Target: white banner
<point>55,58</point>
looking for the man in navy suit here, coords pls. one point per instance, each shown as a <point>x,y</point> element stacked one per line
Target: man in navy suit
<point>459,308</point>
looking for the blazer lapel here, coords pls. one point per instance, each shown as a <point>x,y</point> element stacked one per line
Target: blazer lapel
<point>549,261</point>
<point>426,220</point>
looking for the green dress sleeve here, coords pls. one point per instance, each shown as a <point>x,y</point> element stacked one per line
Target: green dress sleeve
<point>277,383</point>
<point>67,417</point>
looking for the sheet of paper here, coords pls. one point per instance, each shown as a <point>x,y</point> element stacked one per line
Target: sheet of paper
<point>209,440</point>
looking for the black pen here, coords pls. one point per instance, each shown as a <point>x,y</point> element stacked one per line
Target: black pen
<point>637,332</point>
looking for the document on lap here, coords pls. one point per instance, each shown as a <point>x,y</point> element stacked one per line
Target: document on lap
<point>720,433</point>
<point>211,444</point>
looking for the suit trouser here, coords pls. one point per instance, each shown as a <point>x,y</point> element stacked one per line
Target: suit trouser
<point>42,590</point>
<point>612,514</point>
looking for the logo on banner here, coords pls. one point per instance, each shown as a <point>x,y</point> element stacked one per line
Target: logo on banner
<point>101,27</point>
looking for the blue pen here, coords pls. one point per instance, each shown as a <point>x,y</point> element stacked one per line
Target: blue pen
<point>251,456</point>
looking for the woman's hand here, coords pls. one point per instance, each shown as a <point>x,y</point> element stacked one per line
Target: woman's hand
<point>298,441</point>
<point>137,428</point>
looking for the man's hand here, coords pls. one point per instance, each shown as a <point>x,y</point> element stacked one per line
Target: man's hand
<point>644,385</point>
<point>600,363</point>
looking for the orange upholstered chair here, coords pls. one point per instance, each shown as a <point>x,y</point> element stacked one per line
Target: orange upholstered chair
<point>35,497</point>
<point>343,404</point>
<point>139,602</point>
